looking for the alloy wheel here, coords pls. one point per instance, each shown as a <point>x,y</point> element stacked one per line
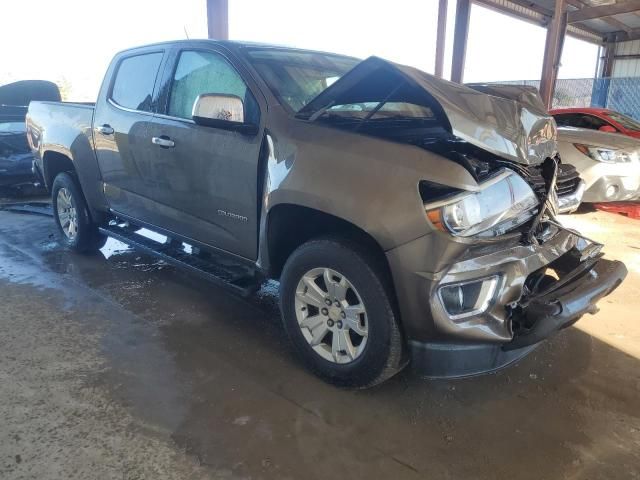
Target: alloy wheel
<point>67,214</point>
<point>331,315</point>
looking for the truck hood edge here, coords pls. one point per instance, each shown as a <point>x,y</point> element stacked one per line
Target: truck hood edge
<point>508,121</point>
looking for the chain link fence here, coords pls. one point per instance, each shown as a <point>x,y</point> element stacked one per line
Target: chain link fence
<point>619,94</point>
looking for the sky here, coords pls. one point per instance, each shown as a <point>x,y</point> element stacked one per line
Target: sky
<point>72,41</point>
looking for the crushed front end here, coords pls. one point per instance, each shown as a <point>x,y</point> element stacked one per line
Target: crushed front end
<point>495,273</point>
<point>488,299</point>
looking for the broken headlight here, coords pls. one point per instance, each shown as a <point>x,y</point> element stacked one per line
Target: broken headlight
<point>502,203</point>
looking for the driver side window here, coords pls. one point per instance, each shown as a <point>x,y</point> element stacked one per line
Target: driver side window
<point>200,72</point>
<point>592,122</point>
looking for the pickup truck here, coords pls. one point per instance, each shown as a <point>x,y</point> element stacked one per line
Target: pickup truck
<point>407,218</point>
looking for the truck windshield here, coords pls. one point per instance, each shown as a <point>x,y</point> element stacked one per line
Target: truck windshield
<point>296,77</point>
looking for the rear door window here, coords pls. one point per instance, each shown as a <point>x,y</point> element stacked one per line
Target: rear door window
<point>134,81</point>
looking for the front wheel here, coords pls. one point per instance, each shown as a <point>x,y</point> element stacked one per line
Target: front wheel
<point>338,311</point>
<point>72,216</point>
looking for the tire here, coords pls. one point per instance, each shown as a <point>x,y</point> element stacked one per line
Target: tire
<point>69,204</point>
<point>345,263</point>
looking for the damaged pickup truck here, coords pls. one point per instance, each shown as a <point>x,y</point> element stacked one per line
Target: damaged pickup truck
<point>407,218</point>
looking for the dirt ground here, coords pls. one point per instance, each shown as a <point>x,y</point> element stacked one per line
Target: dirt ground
<point>116,366</point>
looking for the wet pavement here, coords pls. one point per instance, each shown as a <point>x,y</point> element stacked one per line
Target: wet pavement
<point>116,366</point>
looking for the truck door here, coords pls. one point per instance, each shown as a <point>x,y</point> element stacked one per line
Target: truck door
<point>205,178</point>
<point>121,131</point>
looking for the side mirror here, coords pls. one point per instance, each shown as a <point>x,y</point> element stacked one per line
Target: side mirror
<point>608,129</point>
<point>222,111</point>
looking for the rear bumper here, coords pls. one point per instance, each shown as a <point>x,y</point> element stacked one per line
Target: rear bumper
<point>15,170</point>
<point>35,169</point>
<point>16,180</point>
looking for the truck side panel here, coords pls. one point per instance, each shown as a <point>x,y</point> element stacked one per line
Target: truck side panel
<point>59,130</point>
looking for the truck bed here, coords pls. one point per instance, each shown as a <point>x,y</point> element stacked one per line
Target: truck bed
<point>53,115</point>
<point>64,129</point>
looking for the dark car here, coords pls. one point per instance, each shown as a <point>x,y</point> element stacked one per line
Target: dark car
<point>15,154</point>
<point>16,159</point>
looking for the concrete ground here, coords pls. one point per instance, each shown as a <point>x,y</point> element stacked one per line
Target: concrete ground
<point>116,366</point>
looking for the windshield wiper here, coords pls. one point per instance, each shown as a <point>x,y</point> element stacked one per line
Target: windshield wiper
<point>402,118</point>
<point>314,116</point>
<point>379,106</point>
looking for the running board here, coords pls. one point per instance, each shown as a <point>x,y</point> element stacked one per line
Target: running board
<point>214,268</point>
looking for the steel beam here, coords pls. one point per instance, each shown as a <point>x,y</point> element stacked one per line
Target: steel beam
<point>580,4</point>
<point>553,52</point>
<point>534,17</point>
<point>608,59</point>
<point>628,36</point>
<point>632,56</point>
<point>441,36</point>
<point>218,19</point>
<point>589,13</point>
<point>533,13</point>
<point>460,35</point>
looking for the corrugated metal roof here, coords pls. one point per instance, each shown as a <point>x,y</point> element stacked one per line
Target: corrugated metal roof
<point>615,27</point>
<point>627,67</point>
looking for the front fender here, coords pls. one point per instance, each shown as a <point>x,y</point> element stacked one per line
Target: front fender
<point>369,182</point>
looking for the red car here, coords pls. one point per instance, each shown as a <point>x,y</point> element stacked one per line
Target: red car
<point>597,119</point>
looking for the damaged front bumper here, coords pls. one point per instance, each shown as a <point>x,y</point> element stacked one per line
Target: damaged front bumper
<point>524,306</point>
<point>566,299</point>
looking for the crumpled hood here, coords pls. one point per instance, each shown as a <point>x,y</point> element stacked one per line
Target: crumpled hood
<point>596,138</point>
<point>508,121</point>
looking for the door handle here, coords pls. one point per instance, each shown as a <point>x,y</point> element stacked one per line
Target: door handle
<point>163,141</point>
<point>105,129</point>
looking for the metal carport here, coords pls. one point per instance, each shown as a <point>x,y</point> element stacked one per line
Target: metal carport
<point>611,24</point>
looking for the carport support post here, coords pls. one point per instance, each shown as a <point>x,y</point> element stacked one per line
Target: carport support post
<point>553,52</point>
<point>602,82</point>
<point>441,36</point>
<point>608,59</point>
<point>460,34</point>
<point>218,19</point>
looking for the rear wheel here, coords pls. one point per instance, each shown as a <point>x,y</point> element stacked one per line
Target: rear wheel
<point>338,312</point>
<point>72,215</point>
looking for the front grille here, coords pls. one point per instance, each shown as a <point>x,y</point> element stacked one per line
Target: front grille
<point>567,182</point>
<point>568,179</point>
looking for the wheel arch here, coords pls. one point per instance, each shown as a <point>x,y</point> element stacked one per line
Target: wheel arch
<point>53,163</point>
<point>289,225</point>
